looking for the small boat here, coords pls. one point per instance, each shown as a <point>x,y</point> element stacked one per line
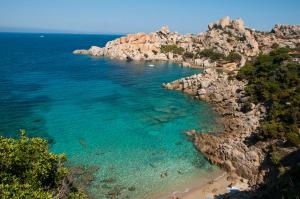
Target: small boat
<point>151,65</point>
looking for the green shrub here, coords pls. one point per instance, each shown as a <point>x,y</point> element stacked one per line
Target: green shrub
<point>233,57</point>
<point>274,81</point>
<point>29,170</point>
<point>211,54</point>
<point>246,107</point>
<point>188,55</point>
<point>172,48</point>
<point>275,45</point>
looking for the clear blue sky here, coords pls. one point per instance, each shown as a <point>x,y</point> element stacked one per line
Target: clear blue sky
<point>124,16</point>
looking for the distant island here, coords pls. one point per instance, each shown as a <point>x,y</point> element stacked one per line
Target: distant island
<point>252,79</point>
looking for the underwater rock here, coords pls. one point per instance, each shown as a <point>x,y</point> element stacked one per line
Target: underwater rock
<point>164,174</point>
<point>92,169</point>
<point>82,142</point>
<point>179,172</point>
<point>152,165</point>
<point>109,180</point>
<point>105,186</point>
<point>87,179</point>
<point>131,188</point>
<point>77,170</point>
<point>116,190</point>
<point>37,120</point>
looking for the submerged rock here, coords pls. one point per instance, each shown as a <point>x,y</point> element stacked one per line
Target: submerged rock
<point>87,179</point>
<point>132,188</point>
<point>92,169</point>
<point>77,170</point>
<point>109,180</point>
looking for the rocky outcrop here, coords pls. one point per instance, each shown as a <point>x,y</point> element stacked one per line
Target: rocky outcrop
<point>224,36</point>
<point>94,51</point>
<point>140,46</point>
<point>228,149</point>
<point>286,31</point>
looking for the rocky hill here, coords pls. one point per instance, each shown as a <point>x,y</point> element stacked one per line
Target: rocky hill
<point>225,42</point>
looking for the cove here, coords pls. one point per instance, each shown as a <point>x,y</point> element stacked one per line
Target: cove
<point>105,114</point>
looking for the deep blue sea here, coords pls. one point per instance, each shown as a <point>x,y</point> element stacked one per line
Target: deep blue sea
<point>101,112</point>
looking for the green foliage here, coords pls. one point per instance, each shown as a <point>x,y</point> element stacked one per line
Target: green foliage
<point>188,55</point>
<point>275,45</point>
<point>246,107</point>
<point>233,57</point>
<point>211,54</point>
<point>28,169</point>
<point>274,81</point>
<point>216,56</point>
<point>276,155</point>
<point>172,48</point>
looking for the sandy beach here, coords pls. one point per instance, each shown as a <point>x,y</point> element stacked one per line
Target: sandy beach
<point>218,185</point>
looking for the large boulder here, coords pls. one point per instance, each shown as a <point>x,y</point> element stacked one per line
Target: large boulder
<point>96,51</point>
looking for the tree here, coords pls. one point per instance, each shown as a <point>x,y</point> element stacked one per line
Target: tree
<point>29,170</point>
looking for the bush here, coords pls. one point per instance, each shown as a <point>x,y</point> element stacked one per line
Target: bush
<point>234,57</point>
<point>275,45</point>
<point>274,81</point>
<point>29,170</point>
<point>246,107</point>
<point>211,54</point>
<point>172,48</point>
<point>188,55</point>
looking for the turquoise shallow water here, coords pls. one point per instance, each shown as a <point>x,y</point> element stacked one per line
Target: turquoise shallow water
<point>102,112</point>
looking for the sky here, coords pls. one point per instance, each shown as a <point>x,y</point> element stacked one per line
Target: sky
<point>129,16</point>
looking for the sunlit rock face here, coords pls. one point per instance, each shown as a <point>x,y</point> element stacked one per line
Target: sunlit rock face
<point>223,36</point>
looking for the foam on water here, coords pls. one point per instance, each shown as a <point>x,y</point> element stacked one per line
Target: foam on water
<point>102,112</point>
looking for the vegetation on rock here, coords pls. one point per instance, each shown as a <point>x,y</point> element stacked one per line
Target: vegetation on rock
<point>172,48</point>
<point>29,170</point>
<point>233,57</point>
<point>216,56</point>
<point>274,80</point>
<point>211,54</point>
<point>188,55</point>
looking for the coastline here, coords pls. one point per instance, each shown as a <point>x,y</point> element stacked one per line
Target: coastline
<point>202,179</point>
<point>222,51</point>
<point>215,187</point>
<point>226,149</point>
<point>215,183</point>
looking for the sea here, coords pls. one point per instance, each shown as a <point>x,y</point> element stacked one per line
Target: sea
<point>111,118</point>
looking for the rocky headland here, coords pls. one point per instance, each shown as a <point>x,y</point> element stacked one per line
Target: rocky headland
<point>228,148</point>
<point>222,50</point>
<point>227,43</point>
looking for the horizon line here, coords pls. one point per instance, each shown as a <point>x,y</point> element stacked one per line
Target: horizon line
<point>71,33</point>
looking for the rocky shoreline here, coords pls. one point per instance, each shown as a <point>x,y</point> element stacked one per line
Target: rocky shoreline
<point>221,50</point>
<point>227,149</point>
